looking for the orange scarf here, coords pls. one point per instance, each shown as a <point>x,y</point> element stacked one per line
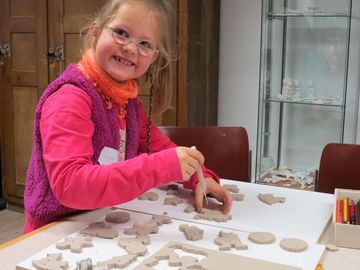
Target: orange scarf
<point>111,91</point>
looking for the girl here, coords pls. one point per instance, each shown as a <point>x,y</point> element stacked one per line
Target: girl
<point>93,143</point>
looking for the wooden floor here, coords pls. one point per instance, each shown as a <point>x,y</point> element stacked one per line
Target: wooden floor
<point>11,225</point>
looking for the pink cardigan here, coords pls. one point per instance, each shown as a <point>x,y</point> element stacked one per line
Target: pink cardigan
<point>80,184</point>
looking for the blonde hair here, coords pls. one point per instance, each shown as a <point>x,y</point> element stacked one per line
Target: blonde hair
<point>159,75</point>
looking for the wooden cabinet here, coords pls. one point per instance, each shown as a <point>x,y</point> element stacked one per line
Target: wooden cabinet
<point>39,38</point>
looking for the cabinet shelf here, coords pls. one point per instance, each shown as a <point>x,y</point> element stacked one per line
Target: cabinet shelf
<point>304,102</point>
<point>306,14</point>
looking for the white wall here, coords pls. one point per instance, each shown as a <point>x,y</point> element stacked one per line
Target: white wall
<point>240,37</point>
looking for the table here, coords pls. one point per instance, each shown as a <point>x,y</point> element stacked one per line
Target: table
<point>244,221</point>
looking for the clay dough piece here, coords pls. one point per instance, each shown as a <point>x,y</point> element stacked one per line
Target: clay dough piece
<point>226,241</point>
<point>173,201</point>
<point>117,217</point>
<point>150,196</point>
<point>189,209</point>
<point>237,196</point>
<point>143,229</point>
<point>172,192</point>
<point>118,262</point>
<point>161,219</point>
<point>293,245</point>
<point>192,233</point>
<point>262,237</point>
<point>332,248</point>
<point>75,244</point>
<point>212,215</point>
<point>270,199</point>
<point>100,229</point>
<point>135,246</point>
<point>231,188</point>
<point>50,262</point>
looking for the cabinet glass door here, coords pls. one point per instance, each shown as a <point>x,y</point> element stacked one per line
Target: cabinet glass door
<point>308,95</point>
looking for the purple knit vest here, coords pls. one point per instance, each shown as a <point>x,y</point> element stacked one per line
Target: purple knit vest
<point>39,200</point>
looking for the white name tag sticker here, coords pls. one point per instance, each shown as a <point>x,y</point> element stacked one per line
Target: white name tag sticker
<point>108,156</point>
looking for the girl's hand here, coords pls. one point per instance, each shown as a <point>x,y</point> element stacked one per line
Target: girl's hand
<point>213,188</point>
<point>190,159</point>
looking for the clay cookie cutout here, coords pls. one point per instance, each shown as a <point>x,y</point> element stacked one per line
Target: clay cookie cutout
<point>262,237</point>
<point>237,196</point>
<point>146,228</point>
<point>293,245</point>
<point>100,229</point>
<point>161,219</point>
<point>192,233</point>
<point>150,196</point>
<point>173,201</point>
<point>213,215</point>
<point>75,244</point>
<point>270,199</point>
<point>226,241</point>
<point>115,262</point>
<point>208,214</point>
<point>117,217</point>
<point>135,246</point>
<point>231,188</point>
<point>50,262</point>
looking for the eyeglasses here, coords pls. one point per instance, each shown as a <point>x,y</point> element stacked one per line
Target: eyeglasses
<point>121,36</point>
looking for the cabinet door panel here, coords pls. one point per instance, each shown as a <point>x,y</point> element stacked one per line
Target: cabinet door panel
<point>24,75</point>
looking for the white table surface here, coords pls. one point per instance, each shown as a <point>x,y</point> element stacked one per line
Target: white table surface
<point>303,215</point>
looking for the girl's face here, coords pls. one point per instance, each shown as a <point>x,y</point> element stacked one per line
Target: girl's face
<point>121,60</point>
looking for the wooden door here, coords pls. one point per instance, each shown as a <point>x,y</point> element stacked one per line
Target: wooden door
<point>23,76</point>
<point>65,20</point>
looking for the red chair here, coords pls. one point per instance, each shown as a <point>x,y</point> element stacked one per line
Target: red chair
<point>339,168</point>
<point>226,149</point>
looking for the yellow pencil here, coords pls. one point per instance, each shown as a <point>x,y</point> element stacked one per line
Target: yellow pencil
<point>346,210</point>
<point>319,266</point>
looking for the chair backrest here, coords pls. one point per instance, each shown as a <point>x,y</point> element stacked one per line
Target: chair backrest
<point>339,167</point>
<point>226,149</point>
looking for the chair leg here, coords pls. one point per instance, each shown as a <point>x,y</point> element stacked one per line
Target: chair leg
<point>249,165</point>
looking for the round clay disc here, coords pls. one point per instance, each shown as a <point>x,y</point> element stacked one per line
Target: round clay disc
<point>117,217</point>
<point>293,245</point>
<point>332,248</point>
<point>262,237</point>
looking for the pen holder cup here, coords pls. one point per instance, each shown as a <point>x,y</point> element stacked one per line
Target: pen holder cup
<point>346,235</point>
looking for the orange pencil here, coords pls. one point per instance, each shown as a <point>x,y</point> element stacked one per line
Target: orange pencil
<point>338,210</point>
<point>319,266</point>
<point>346,210</point>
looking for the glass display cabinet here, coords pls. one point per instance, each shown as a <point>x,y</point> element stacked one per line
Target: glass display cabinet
<point>309,84</point>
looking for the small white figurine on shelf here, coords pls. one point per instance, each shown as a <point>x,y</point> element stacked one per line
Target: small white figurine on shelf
<point>288,89</point>
<point>312,93</point>
<point>298,94</point>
